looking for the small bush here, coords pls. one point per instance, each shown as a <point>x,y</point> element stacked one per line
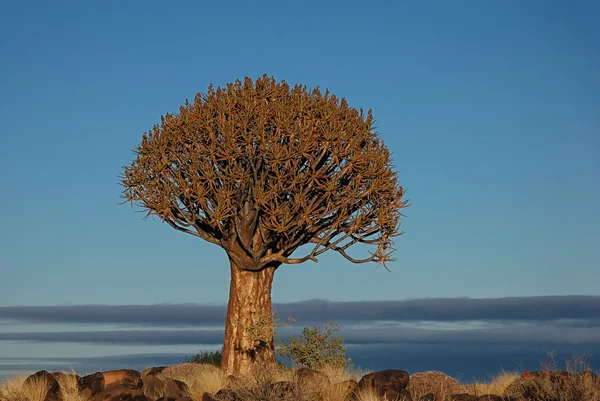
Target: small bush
<point>433,382</point>
<point>199,378</point>
<point>208,357</point>
<point>554,385</point>
<point>497,386</point>
<point>316,348</point>
<point>12,389</point>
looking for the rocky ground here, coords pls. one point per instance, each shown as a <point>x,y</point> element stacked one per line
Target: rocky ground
<point>193,382</point>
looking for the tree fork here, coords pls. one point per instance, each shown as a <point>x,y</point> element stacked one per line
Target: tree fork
<point>249,323</point>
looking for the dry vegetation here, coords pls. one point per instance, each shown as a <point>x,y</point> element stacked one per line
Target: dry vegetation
<point>497,385</point>
<point>69,391</point>
<point>433,382</point>
<point>275,383</point>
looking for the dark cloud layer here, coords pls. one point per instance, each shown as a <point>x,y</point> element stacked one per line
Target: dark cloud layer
<point>509,334</point>
<point>585,309</point>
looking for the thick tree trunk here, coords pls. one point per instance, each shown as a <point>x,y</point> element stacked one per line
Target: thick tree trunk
<point>249,324</point>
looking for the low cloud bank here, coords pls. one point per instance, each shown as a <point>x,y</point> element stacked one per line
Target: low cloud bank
<point>515,333</point>
<point>582,310</point>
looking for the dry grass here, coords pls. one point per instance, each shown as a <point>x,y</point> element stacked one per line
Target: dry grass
<point>497,386</point>
<point>199,378</point>
<point>433,382</point>
<point>69,391</point>
<point>12,389</point>
<point>156,393</point>
<point>36,388</point>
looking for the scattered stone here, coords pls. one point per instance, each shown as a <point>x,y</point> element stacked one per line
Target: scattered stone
<point>284,390</point>
<point>463,397</point>
<point>208,397</point>
<point>226,394</point>
<point>46,376</point>
<point>153,371</point>
<point>98,382</point>
<point>121,393</point>
<point>384,380</point>
<point>434,382</point>
<point>350,385</point>
<point>403,395</point>
<point>430,397</point>
<point>490,397</point>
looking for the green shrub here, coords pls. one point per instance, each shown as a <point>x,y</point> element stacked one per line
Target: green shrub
<point>208,357</point>
<point>316,348</point>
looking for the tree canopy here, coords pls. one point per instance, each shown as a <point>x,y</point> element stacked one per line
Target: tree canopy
<point>262,168</point>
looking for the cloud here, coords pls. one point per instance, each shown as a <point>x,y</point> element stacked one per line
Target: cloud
<point>148,337</point>
<point>359,335</point>
<point>585,310</point>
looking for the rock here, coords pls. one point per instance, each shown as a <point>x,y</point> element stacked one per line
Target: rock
<point>350,385</point>
<point>98,382</point>
<point>436,383</point>
<point>53,386</point>
<point>463,397</point>
<point>59,375</point>
<point>232,382</point>
<point>403,395</point>
<point>178,399</point>
<point>122,377</point>
<point>430,397</point>
<point>586,375</point>
<point>384,380</point>
<point>547,385</point>
<point>121,393</point>
<point>156,388</point>
<point>91,384</point>
<point>284,390</point>
<point>490,397</point>
<point>153,371</point>
<point>554,375</point>
<point>310,375</point>
<point>226,394</point>
<point>208,397</point>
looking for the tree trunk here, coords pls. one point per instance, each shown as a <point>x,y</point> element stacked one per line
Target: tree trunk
<point>249,323</point>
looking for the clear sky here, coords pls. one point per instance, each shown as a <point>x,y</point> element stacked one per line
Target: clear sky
<point>491,110</point>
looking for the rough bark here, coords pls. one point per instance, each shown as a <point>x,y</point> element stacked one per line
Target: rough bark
<point>249,324</point>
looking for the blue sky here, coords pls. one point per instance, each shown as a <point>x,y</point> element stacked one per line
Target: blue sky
<point>490,110</point>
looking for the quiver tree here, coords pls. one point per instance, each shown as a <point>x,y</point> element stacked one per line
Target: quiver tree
<point>261,169</point>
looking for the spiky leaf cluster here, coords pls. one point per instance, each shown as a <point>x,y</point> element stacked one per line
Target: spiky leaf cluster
<point>262,168</point>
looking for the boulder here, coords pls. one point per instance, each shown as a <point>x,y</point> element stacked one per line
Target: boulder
<point>98,382</point>
<point>284,390</point>
<point>553,375</point>
<point>208,397</point>
<point>586,375</point>
<point>121,393</point>
<point>177,399</point>
<point>156,388</point>
<point>463,397</point>
<point>402,395</point>
<point>384,380</point>
<point>430,397</point>
<point>226,394</point>
<point>490,397</point>
<point>153,371</point>
<point>436,383</point>
<point>53,386</point>
<point>350,385</point>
